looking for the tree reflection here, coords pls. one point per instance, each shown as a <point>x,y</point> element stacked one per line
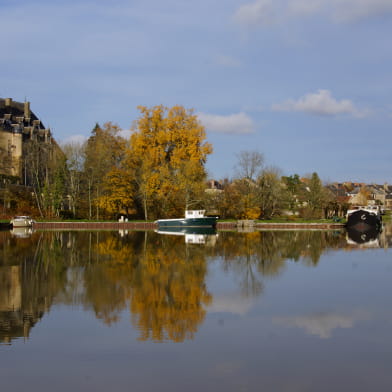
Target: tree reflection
<point>159,278</point>
<point>265,253</point>
<point>164,283</point>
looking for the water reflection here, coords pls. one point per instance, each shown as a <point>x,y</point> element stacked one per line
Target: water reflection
<point>192,235</point>
<point>322,324</point>
<point>30,277</point>
<point>21,232</point>
<point>364,238</point>
<point>160,279</point>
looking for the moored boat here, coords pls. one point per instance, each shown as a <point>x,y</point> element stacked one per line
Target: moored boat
<point>22,221</point>
<point>193,218</point>
<point>363,218</point>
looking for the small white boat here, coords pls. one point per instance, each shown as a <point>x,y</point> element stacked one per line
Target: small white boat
<point>193,218</point>
<point>22,221</point>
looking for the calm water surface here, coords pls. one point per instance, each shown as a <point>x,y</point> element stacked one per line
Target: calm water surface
<point>142,311</point>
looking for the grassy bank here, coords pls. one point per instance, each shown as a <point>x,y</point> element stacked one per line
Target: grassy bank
<point>300,220</point>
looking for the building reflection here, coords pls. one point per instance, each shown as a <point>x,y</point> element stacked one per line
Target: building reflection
<point>159,279</point>
<point>29,279</point>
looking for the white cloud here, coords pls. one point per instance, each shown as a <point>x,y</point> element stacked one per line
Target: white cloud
<point>298,8</point>
<point>80,139</point>
<point>74,139</point>
<point>320,103</point>
<point>258,12</point>
<point>239,123</point>
<point>322,324</point>
<point>125,133</point>
<point>265,12</point>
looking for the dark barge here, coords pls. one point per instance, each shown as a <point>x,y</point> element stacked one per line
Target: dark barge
<point>364,218</point>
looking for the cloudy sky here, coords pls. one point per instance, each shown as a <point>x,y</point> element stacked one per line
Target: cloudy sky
<point>306,82</point>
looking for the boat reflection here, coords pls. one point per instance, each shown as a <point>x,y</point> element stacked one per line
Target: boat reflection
<point>21,232</point>
<point>369,238</point>
<point>193,235</point>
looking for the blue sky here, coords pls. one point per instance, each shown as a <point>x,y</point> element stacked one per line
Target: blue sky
<point>308,83</point>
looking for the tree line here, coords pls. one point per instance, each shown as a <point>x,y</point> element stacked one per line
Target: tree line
<point>159,171</point>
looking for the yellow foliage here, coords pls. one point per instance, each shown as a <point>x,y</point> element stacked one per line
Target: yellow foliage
<point>164,284</point>
<point>167,153</point>
<point>118,191</point>
<point>252,213</point>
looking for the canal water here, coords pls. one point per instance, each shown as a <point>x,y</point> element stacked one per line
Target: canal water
<point>227,311</point>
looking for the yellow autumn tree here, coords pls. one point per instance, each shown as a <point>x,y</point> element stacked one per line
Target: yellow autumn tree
<point>167,156</point>
<point>118,192</point>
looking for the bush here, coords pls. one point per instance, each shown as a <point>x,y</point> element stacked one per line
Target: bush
<point>66,214</point>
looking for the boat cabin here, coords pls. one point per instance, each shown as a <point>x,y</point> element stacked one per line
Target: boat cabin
<point>193,214</point>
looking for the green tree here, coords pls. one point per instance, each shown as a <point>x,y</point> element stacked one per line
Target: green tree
<point>45,172</point>
<point>293,191</point>
<point>74,153</point>
<point>104,150</point>
<point>249,167</point>
<point>316,197</point>
<point>270,189</point>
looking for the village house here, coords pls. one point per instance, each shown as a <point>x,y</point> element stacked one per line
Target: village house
<point>362,194</point>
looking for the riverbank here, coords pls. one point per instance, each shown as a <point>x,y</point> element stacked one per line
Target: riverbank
<point>5,225</point>
<point>94,226</point>
<point>152,226</point>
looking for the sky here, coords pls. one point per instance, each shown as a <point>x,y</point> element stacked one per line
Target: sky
<point>307,83</point>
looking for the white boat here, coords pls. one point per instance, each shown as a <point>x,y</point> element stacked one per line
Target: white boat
<point>193,218</point>
<point>22,221</point>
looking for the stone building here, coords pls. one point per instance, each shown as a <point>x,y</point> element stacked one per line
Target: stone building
<point>18,124</point>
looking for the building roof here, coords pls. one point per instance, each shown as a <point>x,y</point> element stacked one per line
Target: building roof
<point>13,112</point>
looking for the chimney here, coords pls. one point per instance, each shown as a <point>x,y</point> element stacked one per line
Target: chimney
<point>27,109</point>
<point>8,101</point>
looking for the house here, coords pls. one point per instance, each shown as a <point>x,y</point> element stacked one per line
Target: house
<point>377,194</point>
<point>214,186</point>
<point>18,125</point>
<point>388,202</point>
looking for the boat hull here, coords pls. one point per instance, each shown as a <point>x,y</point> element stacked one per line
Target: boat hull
<point>362,220</point>
<point>5,226</point>
<point>21,222</point>
<point>187,230</point>
<point>187,222</point>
